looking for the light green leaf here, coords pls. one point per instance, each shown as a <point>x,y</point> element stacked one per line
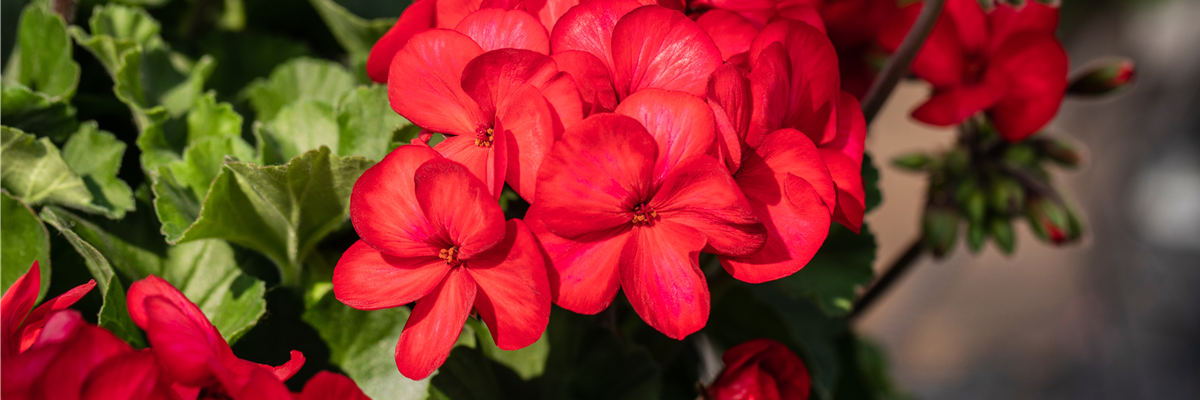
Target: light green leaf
<point>206,271</point>
<point>115,30</point>
<point>35,112</point>
<point>355,33</point>
<point>45,59</point>
<point>24,240</point>
<point>298,127</point>
<point>34,171</point>
<point>114,316</point>
<point>97,156</point>
<point>362,344</point>
<point>299,79</point>
<point>367,124</point>
<point>841,266</point>
<point>528,363</point>
<point>280,211</point>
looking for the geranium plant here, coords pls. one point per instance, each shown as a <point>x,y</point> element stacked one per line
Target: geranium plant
<point>480,199</point>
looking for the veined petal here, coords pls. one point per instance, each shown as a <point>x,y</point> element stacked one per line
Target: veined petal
<point>494,28</point>
<point>460,207</point>
<point>730,32</point>
<point>702,195</point>
<point>416,18</point>
<point>770,82</point>
<point>488,163</point>
<point>549,11</point>
<point>788,150</point>
<point>528,135</point>
<point>655,47</point>
<point>384,209</point>
<point>584,276</point>
<point>589,27</point>
<point>451,12</point>
<point>797,222</point>
<point>426,86</point>
<point>593,178</point>
<point>592,78</point>
<point>1037,69</point>
<point>514,293</point>
<point>367,279</point>
<point>15,306</point>
<point>661,276</point>
<point>815,83</point>
<point>434,325</point>
<point>681,124</point>
<point>730,97</point>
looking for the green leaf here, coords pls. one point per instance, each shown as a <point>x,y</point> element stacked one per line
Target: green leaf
<point>355,33</point>
<point>367,124</point>
<point>35,112</point>
<point>115,30</point>
<point>206,271</point>
<point>114,315</point>
<point>97,156</point>
<point>299,79</point>
<point>871,183</point>
<point>24,240</point>
<point>841,266</point>
<point>586,362</point>
<point>45,63</point>
<point>528,362</point>
<point>362,344</point>
<point>34,171</point>
<point>280,211</point>
<point>243,56</point>
<point>298,127</point>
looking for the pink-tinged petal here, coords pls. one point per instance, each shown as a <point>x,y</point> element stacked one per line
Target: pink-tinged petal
<point>788,150</point>
<point>655,47</point>
<point>460,207</point>
<point>701,194</point>
<point>434,326</point>
<point>589,28</point>
<point>426,84</point>
<point>488,163</point>
<point>1007,21</point>
<point>32,326</point>
<point>366,279</point>
<point>134,375</point>
<point>592,78</point>
<point>815,83</point>
<point>493,28</point>
<point>549,11</point>
<point>383,205</point>
<point>797,222</point>
<point>851,198</point>
<point>184,347</point>
<point>681,124</point>
<point>584,276</point>
<point>514,292</point>
<point>954,105</point>
<point>594,177</point>
<point>290,368</point>
<point>15,306</point>
<point>730,32</point>
<point>661,276</point>
<point>730,97</point>
<point>799,11</point>
<point>770,82</point>
<point>451,12</point>
<point>90,347</point>
<point>327,385</point>
<point>1037,68</point>
<point>758,12</point>
<point>416,18</point>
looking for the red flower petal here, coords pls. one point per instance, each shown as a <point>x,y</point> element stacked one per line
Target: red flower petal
<point>798,11</point>
<point>434,326</point>
<point>451,12</point>
<point>730,32</point>
<point>681,123</point>
<point>592,78</point>
<point>369,280</point>
<point>1007,21</point>
<point>488,163</point>
<point>590,181</point>
<point>788,150</point>
<point>955,104</point>
<point>134,375</point>
<point>589,27</point>
<point>762,368</point>
<point>15,306</point>
<point>494,76</point>
<point>528,135</point>
<point>549,11</point>
<point>416,18</point>
<point>256,384</point>
<point>459,207</point>
<point>770,83</point>
<point>426,86</point>
<point>290,368</point>
<point>493,28</point>
<point>327,385</point>
<point>843,156</point>
<point>970,24</point>
<point>730,97</point>
<point>383,207</point>
<point>584,275</point>
<point>64,377</point>
<point>815,83</point>
<point>185,347</point>
<point>514,293</point>
<point>1036,66</point>
<point>32,326</point>
<point>655,47</point>
<point>701,194</point>
<point>758,12</point>
<point>661,276</point>
<point>22,371</point>
<point>797,222</point>
<point>940,60</point>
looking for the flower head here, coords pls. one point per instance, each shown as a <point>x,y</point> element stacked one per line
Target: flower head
<point>19,326</point>
<point>761,369</point>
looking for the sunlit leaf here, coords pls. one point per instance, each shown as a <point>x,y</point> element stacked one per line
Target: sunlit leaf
<point>24,240</point>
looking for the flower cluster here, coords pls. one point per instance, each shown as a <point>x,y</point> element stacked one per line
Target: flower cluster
<point>51,352</point>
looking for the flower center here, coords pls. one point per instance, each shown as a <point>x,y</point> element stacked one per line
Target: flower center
<point>643,215</point>
<point>484,135</point>
<point>450,255</point>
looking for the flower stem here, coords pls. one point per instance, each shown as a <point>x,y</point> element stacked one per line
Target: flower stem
<point>898,64</point>
<point>898,268</point>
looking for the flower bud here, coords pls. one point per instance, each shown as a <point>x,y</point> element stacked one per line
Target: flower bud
<point>940,229</point>
<point>1050,220</point>
<point>761,369</point>
<point>1002,231</point>
<point>1006,196</point>
<point>1059,151</point>
<point>1102,77</point>
<point>976,234</point>
<point>913,161</point>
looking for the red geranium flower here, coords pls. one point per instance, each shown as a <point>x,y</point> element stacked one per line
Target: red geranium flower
<point>500,110</point>
<point>1006,62</point>
<point>622,207</point>
<point>192,351</point>
<point>18,326</point>
<point>761,369</point>
<point>617,47</point>
<point>432,233</point>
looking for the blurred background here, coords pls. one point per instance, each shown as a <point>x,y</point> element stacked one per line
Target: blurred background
<point>1114,317</point>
